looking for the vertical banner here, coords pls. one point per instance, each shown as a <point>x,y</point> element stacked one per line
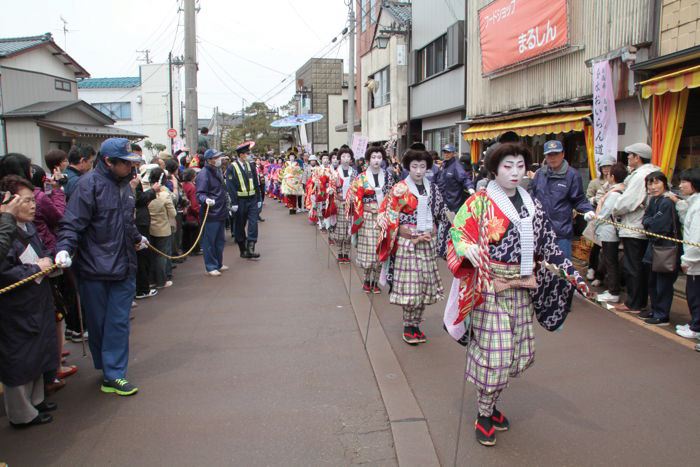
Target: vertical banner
<point>604,115</point>
<point>359,145</point>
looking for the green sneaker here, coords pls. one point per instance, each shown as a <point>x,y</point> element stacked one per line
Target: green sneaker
<point>120,386</point>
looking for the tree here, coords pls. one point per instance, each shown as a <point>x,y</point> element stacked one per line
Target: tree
<point>257,118</point>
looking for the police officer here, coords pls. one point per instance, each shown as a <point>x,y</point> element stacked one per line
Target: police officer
<point>243,186</point>
<point>452,180</point>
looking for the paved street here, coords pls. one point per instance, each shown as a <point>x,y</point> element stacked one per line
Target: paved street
<point>265,366</point>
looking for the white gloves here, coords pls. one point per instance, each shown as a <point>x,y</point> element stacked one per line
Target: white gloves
<point>471,191</point>
<point>63,259</point>
<point>210,202</point>
<point>142,244</point>
<point>472,254</point>
<point>259,204</point>
<point>589,216</point>
<point>234,209</point>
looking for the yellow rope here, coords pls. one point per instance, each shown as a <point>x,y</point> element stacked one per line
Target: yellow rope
<point>643,232</point>
<point>53,267</point>
<point>194,245</point>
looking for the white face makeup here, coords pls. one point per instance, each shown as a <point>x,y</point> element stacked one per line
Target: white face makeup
<point>325,161</point>
<point>345,159</point>
<point>375,161</point>
<point>510,173</point>
<point>416,170</point>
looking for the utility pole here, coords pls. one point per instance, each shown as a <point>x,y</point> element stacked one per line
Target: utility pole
<point>351,70</point>
<point>170,97</point>
<point>146,58</point>
<point>190,75</point>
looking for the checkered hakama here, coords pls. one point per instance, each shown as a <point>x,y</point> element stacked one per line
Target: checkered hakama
<point>367,239</point>
<point>341,231</point>
<point>416,280</point>
<point>502,343</point>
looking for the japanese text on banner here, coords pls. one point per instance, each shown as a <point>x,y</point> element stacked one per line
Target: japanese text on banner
<point>604,115</point>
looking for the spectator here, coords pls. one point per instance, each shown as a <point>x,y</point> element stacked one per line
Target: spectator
<point>454,182</point>
<point>16,164</point>
<point>142,219</point>
<point>690,261</point>
<point>203,141</point>
<point>28,346</point>
<point>173,171</point>
<point>594,186</point>
<point>629,208</point>
<point>99,221</point>
<point>190,226</point>
<point>80,161</point>
<point>9,207</point>
<point>560,190</point>
<point>162,211</point>
<point>607,234</point>
<point>211,191</point>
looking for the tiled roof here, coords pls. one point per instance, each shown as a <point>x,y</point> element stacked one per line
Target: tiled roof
<point>103,83</point>
<point>40,109</point>
<point>402,11</point>
<point>12,45</point>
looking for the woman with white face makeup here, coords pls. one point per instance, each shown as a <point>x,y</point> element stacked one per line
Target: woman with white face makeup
<point>500,243</point>
<point>409,219</point>
<point>341,179</point>
<point>366,195</point>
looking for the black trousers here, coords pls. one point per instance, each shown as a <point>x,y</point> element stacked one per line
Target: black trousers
<point>636,272</point>
<point>594,259</point>
<point>189,235</point>
<point>245,220</point>
<point>611,261</point>
<point>70,295</point>
<point>661,293</point>
<point>692,293</point>
<point>143,265</point>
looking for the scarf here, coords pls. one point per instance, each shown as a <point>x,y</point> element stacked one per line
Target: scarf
<point>424,215</point>
<point>524,226</point>
<point>346,180</point>
<point>378,191</point>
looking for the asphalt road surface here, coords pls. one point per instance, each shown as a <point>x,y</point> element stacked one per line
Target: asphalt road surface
<point>265,366</point>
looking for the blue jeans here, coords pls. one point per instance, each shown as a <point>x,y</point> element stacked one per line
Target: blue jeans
<point>107,305</point>
<point>213,241</point>
<point>565,246</point>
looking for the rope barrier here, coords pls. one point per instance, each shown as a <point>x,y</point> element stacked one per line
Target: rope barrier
<point>643,232</point>
<point>53,267</point>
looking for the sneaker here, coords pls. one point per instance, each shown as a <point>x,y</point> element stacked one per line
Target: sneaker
<point>697,347</point>
<point>608,297</point>
<point>119,386</point>
<point>419,335</point>
<point>590,274</point>
<point>682,326</point>
<point>409,335</point>
<point>375,288</point>
<point>657,321</point>
<point>40,419</point>
<point>76,337</point>
<point>366,287</point>
<point>149,294</point>
<point>499,421</point>
<point>688,333</point>
<point>596,283</point>
<point>166,285</point>
<point>214,273</point>
<point>223,268</point>
<point>485,431</point>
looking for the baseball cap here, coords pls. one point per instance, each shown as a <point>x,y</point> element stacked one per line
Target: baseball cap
<point>211,154</point>
<point>449,148</point>
<point>641,149</point>
<point>553,146</point>
<point>119,148</point>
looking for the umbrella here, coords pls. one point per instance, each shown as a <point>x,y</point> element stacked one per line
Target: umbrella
<point>250,145</point>
<point>296,120</point>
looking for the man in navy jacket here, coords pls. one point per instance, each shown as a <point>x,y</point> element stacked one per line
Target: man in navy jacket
<point>560,190</point>
<point>98,228</point>
<point>211,191</point>
<point>454,182</point>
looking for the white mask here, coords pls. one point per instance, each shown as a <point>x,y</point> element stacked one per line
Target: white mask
<point>217,162</point>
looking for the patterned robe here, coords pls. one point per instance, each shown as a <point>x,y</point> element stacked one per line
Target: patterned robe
<point>341,225</point>
<point>320,195</point>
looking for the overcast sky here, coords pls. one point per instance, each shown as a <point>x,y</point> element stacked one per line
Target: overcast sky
<point>279,34</point>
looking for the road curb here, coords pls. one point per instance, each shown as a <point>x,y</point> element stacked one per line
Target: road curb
<point>412,441</point>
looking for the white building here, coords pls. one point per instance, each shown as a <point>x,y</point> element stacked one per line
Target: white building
<point>140,103</point>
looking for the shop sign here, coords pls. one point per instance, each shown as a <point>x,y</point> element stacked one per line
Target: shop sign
<point>516,31</point>
<point>604,114</point>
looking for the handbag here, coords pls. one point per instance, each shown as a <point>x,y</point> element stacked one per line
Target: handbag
<point>664,259</point>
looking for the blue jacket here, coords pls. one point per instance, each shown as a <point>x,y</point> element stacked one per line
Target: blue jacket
<point>210,184</point>
<point>98,226</point>
<point>233,184</point>
<point>454,183</point>
<point>72,177</point>
<point>560,192</point>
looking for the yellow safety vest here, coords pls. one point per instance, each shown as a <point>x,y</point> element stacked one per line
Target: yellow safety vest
<point>250,190</point>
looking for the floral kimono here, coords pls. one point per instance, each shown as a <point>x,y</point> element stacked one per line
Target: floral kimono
<point>291,183</point>
<point>319,197</point>
<point>340,229</point>
<point>362,204</point>
<point>513,281</point>
<point>412,270</point>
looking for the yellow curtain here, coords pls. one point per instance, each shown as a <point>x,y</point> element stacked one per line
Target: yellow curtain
<point>668,118</point>
<point>475,151</point>
<point>590,150</point>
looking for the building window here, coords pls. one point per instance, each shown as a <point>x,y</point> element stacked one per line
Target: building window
<point>373,10</point>
<point>345,111</point>
<point>381,90</point>
<point>431,59</point>
<point>435,139</point>
<point>363,15</point>
<point>62,85</point>
<point>115,110</point>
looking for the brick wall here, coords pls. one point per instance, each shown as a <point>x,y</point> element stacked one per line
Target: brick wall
<point>680,20</point>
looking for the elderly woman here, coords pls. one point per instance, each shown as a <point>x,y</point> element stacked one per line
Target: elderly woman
<point>508,268</point>
<point>28,345</point>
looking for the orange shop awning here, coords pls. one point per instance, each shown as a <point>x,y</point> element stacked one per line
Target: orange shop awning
<point>675,81</point>
<point>543,125</point>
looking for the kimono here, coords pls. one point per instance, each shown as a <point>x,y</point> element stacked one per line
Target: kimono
<point>291,183</point>
<point>413,270</point>
<point>362,204</point>
<point>513,281</point>
<point>340,228</point>
<point>320,197</point>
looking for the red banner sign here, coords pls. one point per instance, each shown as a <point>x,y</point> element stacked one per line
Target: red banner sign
<point>514,31</point>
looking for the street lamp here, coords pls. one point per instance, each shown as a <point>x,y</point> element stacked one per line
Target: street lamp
<point>382,42</point>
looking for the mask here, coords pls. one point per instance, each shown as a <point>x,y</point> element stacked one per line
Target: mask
<point>217,162</point>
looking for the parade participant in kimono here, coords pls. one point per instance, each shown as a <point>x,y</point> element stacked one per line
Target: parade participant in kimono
<point>319,196</point>
<point>408,220</point>
<point>366,195</point>
<point>341,180</point>
<point>504,255</point>
<point>292,188</point>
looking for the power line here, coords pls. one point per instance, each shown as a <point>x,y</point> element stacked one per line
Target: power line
<point>303,20</point>
<point>240,56</point>
<point>222,80</point>
<point>228,74</point>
